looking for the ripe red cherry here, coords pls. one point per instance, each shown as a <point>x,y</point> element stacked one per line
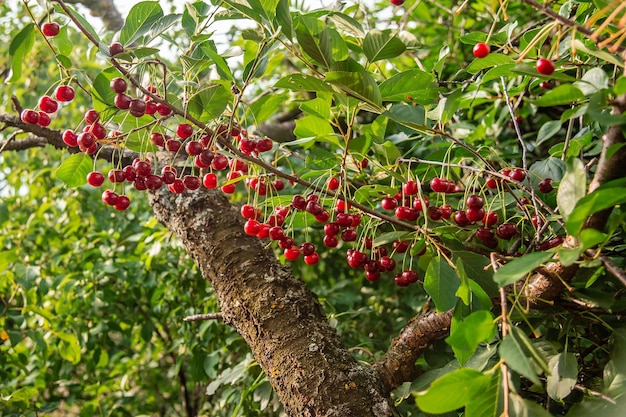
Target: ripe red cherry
<point>47,104</point>
<point>400,246</point>
<point>116,48</point>
<point>307,248</point>
<point>460,218</point>
<point>506,231</point>
<point>30,116</point>
<point>545,85</point>
<point>91,116</point>
<point>122,101</point>
<point>168,177</point>
<point>122,203</point>
<point>545,66</point>
<point>44,119</point>
<point>210,180</point>
<point>95,179</point>
<point>69,138</point>
<point>137,107</point>
<point>333,183</point>
<point>192,182</point>
<point>344,219</point>
<point>177,186</point>
<point>184,130</point>
<point>484,234</point>
<point>252,227</point>
<point>109,197</point>
<point>118,85</point>
<point>154,182</point>
<point>387,264</point>
<point>397,2</point>
<point>264,145</point>
<point>518,174</point>
<point>219,162</point>
<point>64,93</point>
<point>474,201</point>
<point>481,50</point>
<point>86,140</point>
<point>292,253</point>
<point>116,175</point>
<point>157,138</point>
<point>389,203</point>
<point>50,29</point>
<point>491,183</point>
<point>490,218</point>
<point>331,241</point>
<point>332,229</point>
<point>312,259</point>
<point>446,211</point>
<point>372,276</point>
<point>193,148</point>
<point>410,187</point>
<point>399,280</point>
<point>349,235</point>
<point>410,276</point>
<point>545,185</point>
<point>474,214</point>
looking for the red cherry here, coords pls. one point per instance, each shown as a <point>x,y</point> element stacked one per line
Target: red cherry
<point>157,138</point>
<point>163,110</point>
<point>545,185</point>
<point>137,107</point>
<point>410,187</point>
<point>122,203</point>
<point>154,182</point>
<point>332,229</point>
<point>349,235</point>
<point>173,145</point>
<point>399,280</point>
<point>307,248</point>
<point>389,203</point>
<point>64,93</point>
<point>481,50</point>
<point>397,2</point>
<point>331,241</point>
<point>446,211</point>
<point>109,197</point>
<point>95,179</point>
<point>474,214</point>
<point>484,234</point>
<point>248,211</point>
<point>344,219</point>
<point>387,264</point>
<point>410,276</point>
<point>545,66</point>
<point>69,137</point>
<point>372,276</point>
<point>184,130</point>
<point>252,227</point>
<point>460,218</point>
<point>491,183</point>
<point>118,85</point>
<point>474,201</point>
<point>30,116</point>
<point>91,116</point>
<point>47,104</point>
<point>490,218</point>
<point>177,186</point>
<point>116,48</point>
<point>545,85</point>
<point>44,119</point>
<point>122,101</point>
<point>286,243</point>
<point>210,180</point>
<point>323,216</point>
<point>192,182</point>
<point>168,177</point>
<point>219,162</point>
<point>434,213</point>
<point>116,175</point>
<point>264,145</point>
<point>264,231</point>
<point>276,233</point>
<point>50,29</point>
<point>298,202</point>
<point>333,183</point>
<point>506,231</point>
<point>86,140</point>
<point>400,246</point>
<point>130,174</point>
<point>193,148</point>
<point>518,174</point>
<point>312,259</point>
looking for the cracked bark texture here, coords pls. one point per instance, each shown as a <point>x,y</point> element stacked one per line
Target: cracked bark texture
<point>276,314</point>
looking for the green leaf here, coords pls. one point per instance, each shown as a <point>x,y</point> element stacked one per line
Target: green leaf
<point>210,102</point>
<point>283,17</point>
<point>488,402</point>
<point>451,104</point>
<point>69,348</point>
<point>563,94</point>
<point>412,117</point>
<point>572,188</point>
<point>411,85</point>
<point>519,267</point>
<point>301,82</point>
<point>140,19</point>
<point>360,85</point>
<point>521,407</point>
<point>593,81</point>
<point>319,48</point>
<point>161,25</point>
<point>521,356</point>
<point>441,283</point>
<point>563,375</point>
<point>20,45</point>
<point>347,24</point>
<point>73,171</point>
<point>620,86</point>
<point>382,44</point>
<point>489,61</point>
<point>548,130</point>
<point>83,22</point>
<point>24,394</point>
<point>313,126</point>
<point>317,107</point>
<point>452,391</point>
<point>101,94</point>
<point>603,55</point>
<point>466,335</point>
<point>550,167</point>
<point>606,196</point>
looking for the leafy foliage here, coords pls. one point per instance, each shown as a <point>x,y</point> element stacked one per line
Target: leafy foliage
<point>92,302</point>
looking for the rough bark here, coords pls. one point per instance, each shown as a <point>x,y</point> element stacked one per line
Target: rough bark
<point>277,315</point>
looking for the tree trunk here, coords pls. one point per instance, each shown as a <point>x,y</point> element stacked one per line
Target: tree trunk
<point>276,314</point>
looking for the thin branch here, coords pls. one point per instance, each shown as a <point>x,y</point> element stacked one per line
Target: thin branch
<point>202,317</point>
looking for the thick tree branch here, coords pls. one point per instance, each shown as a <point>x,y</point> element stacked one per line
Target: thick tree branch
<point>398,364</point>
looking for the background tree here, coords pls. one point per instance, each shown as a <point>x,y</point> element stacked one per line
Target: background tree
<point>424,169</point>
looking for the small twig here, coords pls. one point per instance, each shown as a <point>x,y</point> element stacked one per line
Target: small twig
<point>613,269</point>
<point>594,393</point>
<point>202,317</point>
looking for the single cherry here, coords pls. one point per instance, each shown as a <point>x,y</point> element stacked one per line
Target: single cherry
<point>481,50</point>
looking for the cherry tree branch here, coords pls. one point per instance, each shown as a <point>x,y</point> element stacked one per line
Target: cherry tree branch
<point>106,10</point>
